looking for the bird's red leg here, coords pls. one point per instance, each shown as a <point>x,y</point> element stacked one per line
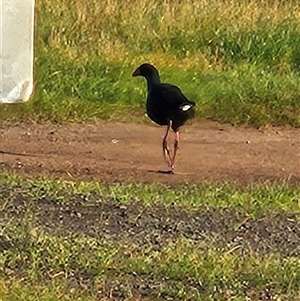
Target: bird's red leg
<point>166,150</point>
<point>176,146</point>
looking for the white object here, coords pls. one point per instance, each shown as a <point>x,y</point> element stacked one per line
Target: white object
<point>16,50</point>
<point>185,107</point>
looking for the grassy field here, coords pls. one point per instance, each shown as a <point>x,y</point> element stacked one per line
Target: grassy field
<point>86,241</point>
<point>239,60</point>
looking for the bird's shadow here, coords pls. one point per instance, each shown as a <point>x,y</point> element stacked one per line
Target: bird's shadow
<point>16,154</point>
<point>166,172</point>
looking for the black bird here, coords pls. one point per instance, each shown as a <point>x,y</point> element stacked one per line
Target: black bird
<point>166,105</point>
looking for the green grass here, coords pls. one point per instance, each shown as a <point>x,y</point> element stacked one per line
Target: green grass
<point>221,275</point>
<point>256,200</point>
<point>45,265</point>
<point>239,60</point>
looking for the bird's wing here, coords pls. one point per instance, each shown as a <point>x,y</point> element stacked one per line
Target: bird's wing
<point>167,102</point>
<point>172,97</point>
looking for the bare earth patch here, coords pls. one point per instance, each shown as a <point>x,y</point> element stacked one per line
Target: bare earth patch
<point>109,152</point>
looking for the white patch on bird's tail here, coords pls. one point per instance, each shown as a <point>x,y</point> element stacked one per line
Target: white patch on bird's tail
<point>186,107</point>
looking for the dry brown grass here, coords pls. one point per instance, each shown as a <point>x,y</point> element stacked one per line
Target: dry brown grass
<point>115,28</point>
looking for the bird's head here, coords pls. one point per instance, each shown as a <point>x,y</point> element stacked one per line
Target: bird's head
<point>145,70</point>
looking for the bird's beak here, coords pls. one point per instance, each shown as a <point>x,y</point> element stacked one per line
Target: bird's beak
<point>136,72</point>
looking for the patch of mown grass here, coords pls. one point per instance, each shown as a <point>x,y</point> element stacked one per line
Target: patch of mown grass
<point>256,200</point>
<point>239,60</point>
<point>49,267</point>
<point>215,272</point>
<point>36,263</point>
<point>19,291</point>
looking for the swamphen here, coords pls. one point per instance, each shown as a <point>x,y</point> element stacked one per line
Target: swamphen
<point>166,105</point>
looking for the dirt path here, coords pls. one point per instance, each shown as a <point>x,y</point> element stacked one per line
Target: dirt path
<point>132,152</point>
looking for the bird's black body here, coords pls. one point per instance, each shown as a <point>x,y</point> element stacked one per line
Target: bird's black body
<point>165,102</point>
<point>166,105</point>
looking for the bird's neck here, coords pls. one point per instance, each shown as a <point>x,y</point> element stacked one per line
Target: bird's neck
<point>152,80</point>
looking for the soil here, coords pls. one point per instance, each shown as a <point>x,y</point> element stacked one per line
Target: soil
<point>109,152</point>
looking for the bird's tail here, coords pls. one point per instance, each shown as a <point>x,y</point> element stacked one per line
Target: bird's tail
<point>189,108</point>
